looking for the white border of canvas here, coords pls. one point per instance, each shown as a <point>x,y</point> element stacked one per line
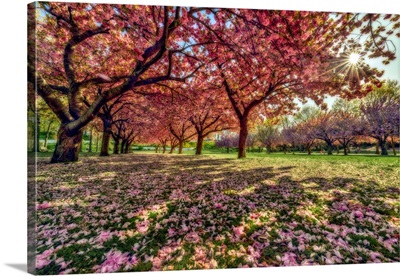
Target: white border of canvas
<point>13,132</point>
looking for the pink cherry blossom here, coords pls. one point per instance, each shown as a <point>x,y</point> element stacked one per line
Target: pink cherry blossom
<point>289,259</point>
<point>114,261</point>
<point>104,236</point>
<point>44,205</point>
<point>238,231</point>
<point>142,226</point>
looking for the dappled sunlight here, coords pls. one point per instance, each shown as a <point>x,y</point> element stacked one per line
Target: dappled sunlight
<point>243,192</point>
<point>228,214</point>
<point>269,182</point>
<point>217,179</point>
<point>309,185</point>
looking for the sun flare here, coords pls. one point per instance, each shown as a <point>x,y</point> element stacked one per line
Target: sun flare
<point>354,58</point>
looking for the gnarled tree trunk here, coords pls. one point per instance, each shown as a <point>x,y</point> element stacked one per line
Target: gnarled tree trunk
<point>199,146</point>
<point>67,146</point>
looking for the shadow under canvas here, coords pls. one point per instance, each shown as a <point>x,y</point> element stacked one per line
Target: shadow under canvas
<point>20,267</point>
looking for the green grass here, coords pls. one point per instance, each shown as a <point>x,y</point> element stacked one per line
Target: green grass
<point>279,200</point>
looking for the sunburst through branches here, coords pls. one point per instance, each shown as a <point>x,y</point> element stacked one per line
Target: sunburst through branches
<point>354,58</point>
<point>350,69</point>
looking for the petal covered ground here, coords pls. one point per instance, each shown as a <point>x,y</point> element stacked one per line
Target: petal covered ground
<point>139,212</point>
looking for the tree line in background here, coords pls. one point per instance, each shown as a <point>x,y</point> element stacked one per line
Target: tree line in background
<point>373,119</point>
<point>173,74</point>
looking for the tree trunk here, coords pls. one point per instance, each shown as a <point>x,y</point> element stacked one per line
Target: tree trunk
<point>164,148</point>
<point>123,145</point>
<point>105,142</point>
<point>393,145</point>
<point>106,137</point>
<point>199,146</point>
<point>309,150</point>
<point>127,148</point>
<point>268,148</point>
<point>330,148</point>
<point>67,146</point>
<point>172,149</point>
<point>180,147</point>
<point>90,140</point>
<point>227,149</point>
<point>157,146</point>
<point>345,149</point>
<point>242,138</point>
<point>382,145</point>
<point>116,146</point>
<point>337,149</point>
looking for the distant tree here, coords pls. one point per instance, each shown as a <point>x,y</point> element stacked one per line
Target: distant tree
<point>227,140</point>
<point>49,123</point>
<point>325,129</point>
<point>207,108</point>
<point>267,134</point>
<point>303,126</point>
<point>347,121</point>
<point>107,114</point>
<point>380,114</point>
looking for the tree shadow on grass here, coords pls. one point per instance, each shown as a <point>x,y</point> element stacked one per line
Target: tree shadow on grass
<point>202,203</point>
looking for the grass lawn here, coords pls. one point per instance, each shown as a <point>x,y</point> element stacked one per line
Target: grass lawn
<point>146,211</point>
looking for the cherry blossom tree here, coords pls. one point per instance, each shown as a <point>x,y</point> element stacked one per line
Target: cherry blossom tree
<point>117,47</point>
<point>209,114</point>
<point>290,136</point>
<point>107,114</point>
<point>303,125</point>
<point>227,140</point>
<point>347,120</point>
<point>258,57</point>
<point>268,134</point>
<point>279,56</point>
<point>324,128</point>
<point>380,111</point>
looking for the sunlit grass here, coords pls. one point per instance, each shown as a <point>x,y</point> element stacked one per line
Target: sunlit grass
<point>215,211</point>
